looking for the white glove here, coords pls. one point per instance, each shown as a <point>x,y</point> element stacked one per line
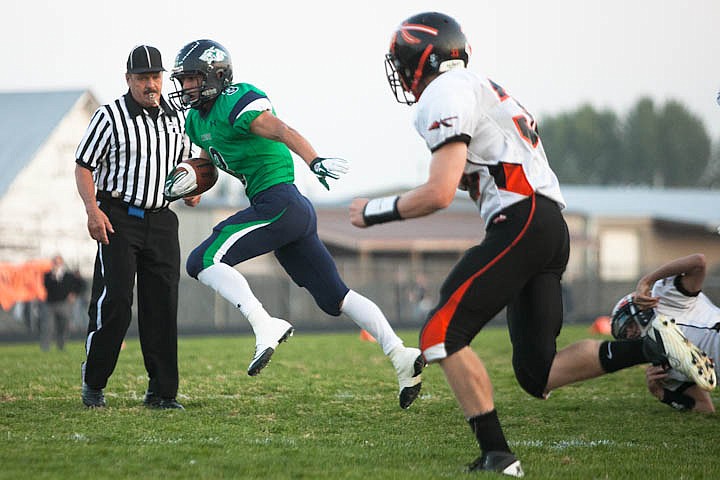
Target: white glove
<point>179,182</point>
<point>328,167</point>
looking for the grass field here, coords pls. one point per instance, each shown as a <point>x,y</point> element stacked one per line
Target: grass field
<point>326,408</point>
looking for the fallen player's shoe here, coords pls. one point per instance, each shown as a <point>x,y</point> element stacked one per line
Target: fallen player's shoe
<point>665,344</point>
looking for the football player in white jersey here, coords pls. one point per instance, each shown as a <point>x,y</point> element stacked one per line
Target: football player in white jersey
<point>674,290</point>
<point>483,141</point>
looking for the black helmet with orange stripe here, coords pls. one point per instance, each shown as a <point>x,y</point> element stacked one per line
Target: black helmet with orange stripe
<point>423,45</point>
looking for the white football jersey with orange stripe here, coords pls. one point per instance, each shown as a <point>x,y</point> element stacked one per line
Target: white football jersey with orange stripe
<point>506,161</point>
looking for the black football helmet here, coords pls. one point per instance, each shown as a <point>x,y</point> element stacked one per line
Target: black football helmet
<point>206,58</point>
<point>424,44</point>
<point>625,313</point>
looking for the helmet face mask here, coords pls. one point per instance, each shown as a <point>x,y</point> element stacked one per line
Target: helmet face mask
<point>422,47</point>
<point>211,62</point>
<point>628,321</point>
<point>397,85</point>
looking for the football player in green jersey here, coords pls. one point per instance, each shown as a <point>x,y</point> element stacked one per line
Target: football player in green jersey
<point>236,127</point>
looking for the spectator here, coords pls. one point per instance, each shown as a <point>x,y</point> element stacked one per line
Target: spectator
<point>61,288</point>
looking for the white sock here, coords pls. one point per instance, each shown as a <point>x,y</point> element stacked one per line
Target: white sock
<point>368,316</point>
<point>233,287</point>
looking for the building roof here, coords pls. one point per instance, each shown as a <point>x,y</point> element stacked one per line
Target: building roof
<point>26,121</point>
<point>700,208</point>
<point>451,230</point>
<point>459,227</point>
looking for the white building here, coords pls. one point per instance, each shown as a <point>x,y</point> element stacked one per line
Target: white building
<point>41,213</point>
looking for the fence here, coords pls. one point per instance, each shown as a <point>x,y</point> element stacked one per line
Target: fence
<point>405,295</point>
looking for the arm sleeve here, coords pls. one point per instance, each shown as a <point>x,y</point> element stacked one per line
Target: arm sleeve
<point>446,119</point>
<point>247,109</point>
<point>94,145</point>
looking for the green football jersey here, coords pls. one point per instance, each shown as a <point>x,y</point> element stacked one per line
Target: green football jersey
<point>225,134</point>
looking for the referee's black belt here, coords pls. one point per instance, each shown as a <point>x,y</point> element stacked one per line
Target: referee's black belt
<point>132,210</point>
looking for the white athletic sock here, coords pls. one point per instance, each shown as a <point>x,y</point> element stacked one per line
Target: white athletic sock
<point>368,316</point>
<point>233,287</point>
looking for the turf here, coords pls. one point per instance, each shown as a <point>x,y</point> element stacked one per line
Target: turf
<point>326,408</point>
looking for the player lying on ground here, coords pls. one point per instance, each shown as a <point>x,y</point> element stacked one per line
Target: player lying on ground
<point>674,290</point>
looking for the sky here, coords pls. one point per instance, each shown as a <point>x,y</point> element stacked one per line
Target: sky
<point>321,62</point>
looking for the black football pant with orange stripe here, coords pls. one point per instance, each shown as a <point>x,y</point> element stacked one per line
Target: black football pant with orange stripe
<point>147,247</point>
<point>518,265</point>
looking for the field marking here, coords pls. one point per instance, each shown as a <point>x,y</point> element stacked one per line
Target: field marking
<point>574,443</point>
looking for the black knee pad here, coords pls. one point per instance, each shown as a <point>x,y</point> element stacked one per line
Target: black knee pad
<point>532,377</point>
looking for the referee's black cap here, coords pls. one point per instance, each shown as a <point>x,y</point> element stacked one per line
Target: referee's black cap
<point>144,59</point>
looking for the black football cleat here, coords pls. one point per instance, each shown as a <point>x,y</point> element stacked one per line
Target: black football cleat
<point>153,400</point>
<point>500,462</point>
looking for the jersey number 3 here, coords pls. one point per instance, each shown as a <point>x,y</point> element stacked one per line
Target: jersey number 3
<point>525,123</point>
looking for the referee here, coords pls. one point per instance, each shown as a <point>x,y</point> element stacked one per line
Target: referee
<point>121,163</point>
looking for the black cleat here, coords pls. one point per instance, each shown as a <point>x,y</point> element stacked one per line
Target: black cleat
<point>260,361</point>
<point>92,397</point>
<point>500,462</point>
<point>153,400</point>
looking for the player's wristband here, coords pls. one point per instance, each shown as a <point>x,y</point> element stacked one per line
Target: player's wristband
<point>677,400</point>
<point>381,210</point>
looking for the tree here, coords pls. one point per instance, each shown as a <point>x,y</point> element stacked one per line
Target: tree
<point>583,145</point>
<point>665,146</point>
<point>641,146</point>
<point>684,146</point>
<point>711,175</point>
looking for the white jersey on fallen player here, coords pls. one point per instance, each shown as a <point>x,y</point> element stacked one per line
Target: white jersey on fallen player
<point>697,317</point>
<point>506,161</point>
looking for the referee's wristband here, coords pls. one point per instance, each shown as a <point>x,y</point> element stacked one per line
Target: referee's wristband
<point>381,210</point>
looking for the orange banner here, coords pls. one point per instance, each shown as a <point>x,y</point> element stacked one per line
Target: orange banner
<point>22,282</point>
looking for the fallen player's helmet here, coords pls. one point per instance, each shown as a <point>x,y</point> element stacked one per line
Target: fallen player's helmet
<point>626,313</point>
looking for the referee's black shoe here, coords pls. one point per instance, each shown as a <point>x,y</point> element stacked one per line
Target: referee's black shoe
<point>153,400</point>
<point>92,397</point>
<point>500,462</point>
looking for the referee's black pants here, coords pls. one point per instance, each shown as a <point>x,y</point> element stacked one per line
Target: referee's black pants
<point>148,247</point>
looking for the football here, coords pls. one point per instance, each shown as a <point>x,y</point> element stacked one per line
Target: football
<point>189,178</point>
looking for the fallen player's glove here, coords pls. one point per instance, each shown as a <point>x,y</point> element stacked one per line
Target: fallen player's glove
<point>328,168</point>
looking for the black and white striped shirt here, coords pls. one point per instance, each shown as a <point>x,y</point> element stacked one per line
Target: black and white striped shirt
<point>130,152</point>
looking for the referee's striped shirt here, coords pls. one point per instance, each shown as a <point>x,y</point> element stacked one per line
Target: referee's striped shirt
<point>130,152</point>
